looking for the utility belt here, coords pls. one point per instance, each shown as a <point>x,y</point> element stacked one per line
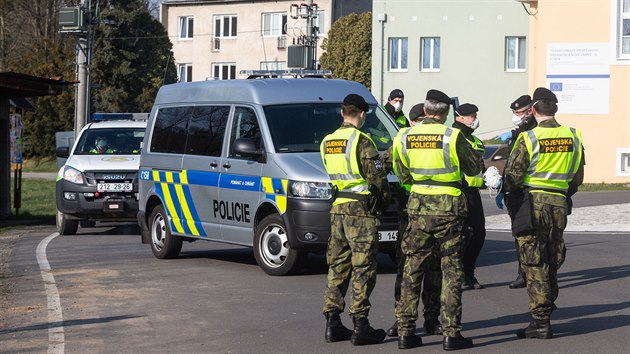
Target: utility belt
<point>430,182</point>
<point>550,190</point>
<point>374,200</point>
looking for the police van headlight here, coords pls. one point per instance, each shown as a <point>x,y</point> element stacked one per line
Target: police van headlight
<point>314,190</point>
<point>72,175</point>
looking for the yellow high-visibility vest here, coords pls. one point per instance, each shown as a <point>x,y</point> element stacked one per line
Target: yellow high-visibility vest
<point>555,154</point>
<point>477,180</point>
<point>339,153</point>
<point>428,150</point>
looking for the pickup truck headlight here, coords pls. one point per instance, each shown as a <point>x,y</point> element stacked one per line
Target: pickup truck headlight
<point>311,190</point>
<point>72,175</point>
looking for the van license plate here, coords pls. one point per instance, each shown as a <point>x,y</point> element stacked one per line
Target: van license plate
<point>385,236</point>
<point>114,187</point>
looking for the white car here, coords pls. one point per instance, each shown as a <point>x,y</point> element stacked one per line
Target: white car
<point>99,181</point>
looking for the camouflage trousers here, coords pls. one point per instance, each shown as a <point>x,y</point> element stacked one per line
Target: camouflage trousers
<point>351,258</point>
<point>432,281</point>
<point>418,246</point>
<point>542,254</point>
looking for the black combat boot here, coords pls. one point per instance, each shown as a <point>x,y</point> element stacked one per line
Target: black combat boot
<point>410,341</point>
<point>457,342</point>
<point>393,330</point>
<point>519,282</point>
<point>432,326</point>
<point>364,334</point>
<point>540,329</point>
<point>470,282</point>
<point>335,330</point>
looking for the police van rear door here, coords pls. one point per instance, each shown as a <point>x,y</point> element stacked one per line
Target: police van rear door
<point>240,181</point>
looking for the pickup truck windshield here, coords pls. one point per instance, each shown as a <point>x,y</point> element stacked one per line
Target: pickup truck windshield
<point>302,127</point>
<point>110,141</point>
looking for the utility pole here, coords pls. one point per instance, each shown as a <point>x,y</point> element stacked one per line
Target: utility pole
<point>82,94</point>
<point>308,11</point>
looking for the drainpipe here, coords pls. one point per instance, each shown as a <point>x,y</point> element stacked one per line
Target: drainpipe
<point>382,18</point>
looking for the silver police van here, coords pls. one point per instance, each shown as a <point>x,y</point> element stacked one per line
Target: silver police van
<point>238,161</point>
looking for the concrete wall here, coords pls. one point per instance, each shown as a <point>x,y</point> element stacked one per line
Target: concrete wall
<point>472,54</point>
<point>605,135</point>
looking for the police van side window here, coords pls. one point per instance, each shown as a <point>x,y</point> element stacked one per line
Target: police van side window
<point>169,132</point>
<point>206,130</point>
<point>244,125</point>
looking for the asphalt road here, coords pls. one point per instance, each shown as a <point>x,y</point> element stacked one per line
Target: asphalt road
<point>115,297</point>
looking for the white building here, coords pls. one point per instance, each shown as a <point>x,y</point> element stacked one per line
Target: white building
<point>475,50</point>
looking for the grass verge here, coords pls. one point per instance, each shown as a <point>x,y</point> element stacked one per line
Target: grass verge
<point>604,187</point>
<point>40,164</point>
<point>37,207</point>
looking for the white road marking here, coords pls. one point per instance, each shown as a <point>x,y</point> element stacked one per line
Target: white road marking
<point>55,318</point>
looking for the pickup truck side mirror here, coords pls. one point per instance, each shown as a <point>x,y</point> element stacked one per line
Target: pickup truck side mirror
<point>63,152</point>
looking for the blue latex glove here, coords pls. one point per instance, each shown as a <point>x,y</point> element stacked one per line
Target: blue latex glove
<point>499,200</point>
<point>505,137</point>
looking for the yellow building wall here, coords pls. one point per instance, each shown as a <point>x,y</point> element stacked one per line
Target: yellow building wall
<point>585,21</point>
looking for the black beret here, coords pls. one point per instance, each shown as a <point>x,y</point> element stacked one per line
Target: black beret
<point>396,93</point>
<point>466,109</point>
<point>543,94</point>
<point>521,102</point>
<point>357,101</point>
<point>439,96</point>
<point>416,111</point>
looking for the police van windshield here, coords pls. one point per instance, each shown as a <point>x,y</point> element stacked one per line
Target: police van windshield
<point>110,141</point>
<point>302,127</point>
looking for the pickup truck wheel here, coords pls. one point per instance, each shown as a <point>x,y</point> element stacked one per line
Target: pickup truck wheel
<point>272,250</point>
<point>163,244</point>
<point>64,225</point>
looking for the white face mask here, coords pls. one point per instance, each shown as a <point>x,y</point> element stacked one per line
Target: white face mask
<point>474,124</point>
<point>102,143</point>
<point>516,120</point>
<point>398,106</point>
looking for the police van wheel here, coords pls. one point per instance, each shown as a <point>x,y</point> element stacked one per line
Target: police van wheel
<point>163,244</point>
<point>66,226</point>
<point>271,247</point>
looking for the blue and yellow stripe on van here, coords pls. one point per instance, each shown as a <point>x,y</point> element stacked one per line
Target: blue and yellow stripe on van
<point>173,188</point>
<point>276,189</point>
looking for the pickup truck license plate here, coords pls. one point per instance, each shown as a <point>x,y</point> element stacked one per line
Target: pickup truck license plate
<point>114,187</point>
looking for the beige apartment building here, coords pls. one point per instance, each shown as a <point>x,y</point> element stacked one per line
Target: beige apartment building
<point>581,51</point>
<point>215,39</point>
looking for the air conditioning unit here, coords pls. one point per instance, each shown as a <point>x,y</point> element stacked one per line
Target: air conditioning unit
<point>216,44</point>
<point>282,42</point>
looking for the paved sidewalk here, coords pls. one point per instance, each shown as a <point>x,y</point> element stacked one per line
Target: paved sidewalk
<point>604,218</point>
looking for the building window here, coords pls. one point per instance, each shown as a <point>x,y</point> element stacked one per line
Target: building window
<point>225,26</point>
<point>273,65</point>
<point>398,54</point>
<point>274,24</point>
<point>624,29</point>
<point>430,54</point>
<point>184,72</point>
<point>515,51</point>
<point>185,27</point>
<point>224,71</point>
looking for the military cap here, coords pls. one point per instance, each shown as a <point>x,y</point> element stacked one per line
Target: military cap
<point>521,102</point>
<point>396,93</point>
<point>416,112</point>
<point>466,109</point>
<point>543,94</point>
<point>439,96</point>
<point>357,101</point>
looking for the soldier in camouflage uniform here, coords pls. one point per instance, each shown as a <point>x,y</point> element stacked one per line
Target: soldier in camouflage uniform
<point>432,281</point>
<point>433,159</point>
<point>353,241</point>
<point>547,166</point>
